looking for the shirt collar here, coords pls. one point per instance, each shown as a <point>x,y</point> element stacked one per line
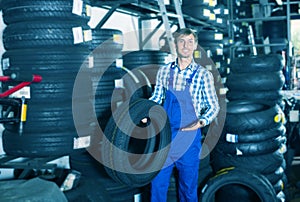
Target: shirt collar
<point>191,67</point>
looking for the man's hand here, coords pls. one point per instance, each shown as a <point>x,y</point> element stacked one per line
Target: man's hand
<point>194,126</point>
<point>144,120</point>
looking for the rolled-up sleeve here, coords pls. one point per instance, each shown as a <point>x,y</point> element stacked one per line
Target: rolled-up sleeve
<point>209,99</point>
<point>158,93</point>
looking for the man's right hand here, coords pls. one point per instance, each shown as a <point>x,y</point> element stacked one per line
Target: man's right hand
<point>144,120</point>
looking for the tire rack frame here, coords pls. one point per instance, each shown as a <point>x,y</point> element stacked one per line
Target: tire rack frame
<point>27,164</point>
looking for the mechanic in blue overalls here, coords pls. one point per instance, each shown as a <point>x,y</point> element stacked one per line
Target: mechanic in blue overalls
<point>188,95</point>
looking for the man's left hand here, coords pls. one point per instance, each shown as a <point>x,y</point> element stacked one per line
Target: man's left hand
<point>194,126</point>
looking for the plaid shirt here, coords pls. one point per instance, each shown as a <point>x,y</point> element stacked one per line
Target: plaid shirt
<point>202,89</point>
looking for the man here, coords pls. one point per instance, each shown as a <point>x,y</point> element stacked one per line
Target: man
<point>187,92</point>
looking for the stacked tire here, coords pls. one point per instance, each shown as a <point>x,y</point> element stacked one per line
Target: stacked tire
<point>212,42</point>
<point>202,10</point>
<point>51,39</point>
<point>276,31</point>
<point>239,185</point>
<point>257,78</point>
<point>107,70</point>
<point>147,61</point>
<point>115,86</point>
<point>253,139</point>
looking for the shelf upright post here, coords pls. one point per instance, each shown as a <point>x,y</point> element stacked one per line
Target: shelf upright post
<point>179,13</point>
<point>166,22</point>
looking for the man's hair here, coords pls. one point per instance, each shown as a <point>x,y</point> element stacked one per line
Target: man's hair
<point>185,31</point>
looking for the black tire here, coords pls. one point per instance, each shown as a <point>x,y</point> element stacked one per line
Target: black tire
<point>94,176</point>
<point>55,89</point>
<point>213,50</point>
<point>278,186</point>
<point>250,149</point>
<point>139,59</point>
<point>148,61</point>
<point>197,12</point>
<point>38,144</point>
<point>133,83</point>
<point>141,171</point>
<point>252,64</point>
<point>276,29</point>
<point>104,90</point>
<point>264,163</point>
<point>256,182</point>
<point>137,85</point>
<point>103,59</point>
<point>270,97</point>
<point>236,193</point>
<point>52,117</point>
<point>110,2</point>
<point>242,116</point>
<point>195,3</point>
<point>209,36</point>
<point>106,39</point>
<point>254,136</point>
<point>275,176</point>
<point>44,35</point>
<point>45,10</point>
<point>278,40</point>
<point>63,60</point>
<point>255,81</point>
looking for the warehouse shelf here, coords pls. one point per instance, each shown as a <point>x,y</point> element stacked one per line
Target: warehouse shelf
<point>265,17</point>
<point>272,18</point>
<point>147,10</point>
<point>287,17</point>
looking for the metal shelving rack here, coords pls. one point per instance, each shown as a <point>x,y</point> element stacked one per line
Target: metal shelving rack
<point>288,17</point>
<point>147,10</point>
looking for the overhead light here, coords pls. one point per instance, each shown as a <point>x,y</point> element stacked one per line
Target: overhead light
<point>279,2</point>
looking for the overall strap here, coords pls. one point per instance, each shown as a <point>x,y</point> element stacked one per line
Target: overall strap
<point>171,75</point>
<point>189,80</point>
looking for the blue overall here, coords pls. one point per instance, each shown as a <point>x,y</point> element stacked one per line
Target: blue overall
<point>184,149</point>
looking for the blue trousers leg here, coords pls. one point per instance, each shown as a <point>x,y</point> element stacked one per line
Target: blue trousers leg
<point>160,185</point>
<point>188,183</point>
<point>188,166</point>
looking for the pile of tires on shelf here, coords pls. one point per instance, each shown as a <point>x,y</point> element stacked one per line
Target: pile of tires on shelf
<point>276,31</point>
<point>212,42</point>
<point>83,76</point>
<point>50,39</point>
<point>253,141</point>
<point>209,11</point>
<point>240,30</point>
<point>121,85</point>
<point>124,130</point>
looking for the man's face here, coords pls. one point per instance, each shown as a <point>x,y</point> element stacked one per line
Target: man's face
<point>186,45</point>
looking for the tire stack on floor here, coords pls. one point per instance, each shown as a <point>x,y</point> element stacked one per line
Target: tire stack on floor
<point>238,185</point>
<point>253,138</point>
<point>51,39</point>
<point>257,78</point>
